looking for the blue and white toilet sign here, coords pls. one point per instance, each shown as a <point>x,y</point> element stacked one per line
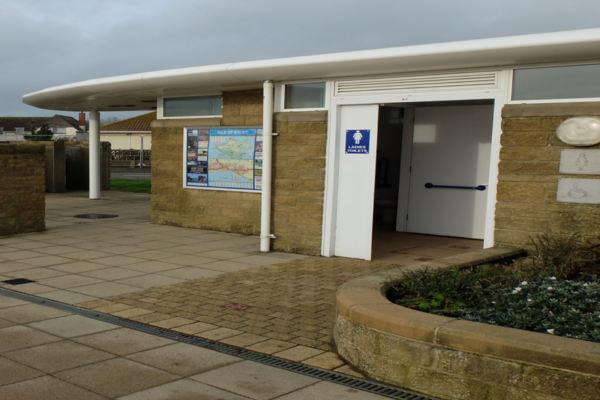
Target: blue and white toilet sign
<point>357,141</point>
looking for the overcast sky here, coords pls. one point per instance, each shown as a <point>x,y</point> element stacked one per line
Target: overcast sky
<point>48,43</point>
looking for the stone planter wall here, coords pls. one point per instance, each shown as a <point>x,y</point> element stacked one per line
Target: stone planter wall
<point>455,359</point>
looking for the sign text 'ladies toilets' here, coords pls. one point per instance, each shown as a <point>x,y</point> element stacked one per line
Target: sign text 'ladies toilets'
<point>357,141</point>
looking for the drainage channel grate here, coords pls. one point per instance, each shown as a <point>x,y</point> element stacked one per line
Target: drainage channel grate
<point>318,373</point>
<point>95,216</point>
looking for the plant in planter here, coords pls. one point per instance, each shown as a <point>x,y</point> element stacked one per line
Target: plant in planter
<point>550,291</point>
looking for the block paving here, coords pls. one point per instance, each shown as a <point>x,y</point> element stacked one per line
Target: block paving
<point>214,285</point>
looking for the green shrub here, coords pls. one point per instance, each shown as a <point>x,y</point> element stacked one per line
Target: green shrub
<point>566,308</point>
<point>547,291</point>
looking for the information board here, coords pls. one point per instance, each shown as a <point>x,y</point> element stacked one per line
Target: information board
<point>224,158</point>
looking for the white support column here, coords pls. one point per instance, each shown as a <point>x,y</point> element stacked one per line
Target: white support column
<point>94,155</point>
<point>265,209</point>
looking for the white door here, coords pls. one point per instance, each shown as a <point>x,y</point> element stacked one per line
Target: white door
<point>356,181</point>
<point>451,147</point>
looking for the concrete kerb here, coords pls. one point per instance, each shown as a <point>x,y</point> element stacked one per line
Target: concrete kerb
<point>366,319</point>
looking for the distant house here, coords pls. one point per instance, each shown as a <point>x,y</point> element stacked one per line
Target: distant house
<point>63,126</point>
<point>66,127</point>
<point>129,134</point>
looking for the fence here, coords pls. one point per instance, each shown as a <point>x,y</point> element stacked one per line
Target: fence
<point>14,137</point>
<point>130,158</point>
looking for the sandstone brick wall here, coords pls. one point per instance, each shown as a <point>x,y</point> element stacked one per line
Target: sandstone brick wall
<point>299,181</point>
<point>298,177</point>
<point>528,176</point>
<point>22,188</point>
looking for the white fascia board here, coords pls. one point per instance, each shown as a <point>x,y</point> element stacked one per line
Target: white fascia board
<point>132,132</point>
<point>506,51</point>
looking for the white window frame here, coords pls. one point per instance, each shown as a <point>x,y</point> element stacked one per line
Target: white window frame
<point>160,106</point>
<point>279,100</point>
<point>547,101</point>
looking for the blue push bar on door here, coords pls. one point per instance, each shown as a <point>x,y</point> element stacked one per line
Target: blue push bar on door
<point>431,185</point>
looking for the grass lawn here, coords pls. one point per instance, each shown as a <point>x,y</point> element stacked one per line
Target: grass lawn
<point>131,185</point>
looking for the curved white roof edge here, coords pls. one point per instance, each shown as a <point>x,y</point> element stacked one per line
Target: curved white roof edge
<point>513,50</point>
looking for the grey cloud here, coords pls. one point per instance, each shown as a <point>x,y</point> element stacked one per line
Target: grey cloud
<point>65,41</point>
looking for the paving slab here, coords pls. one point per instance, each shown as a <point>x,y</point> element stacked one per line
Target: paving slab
<point>116,377</point>
<point>183,389</point>
<point>72,326</point>
<point>327,390</point>
<point>46,387</point>
<point>58,356</point>
<point>22,337</point>
<point>254,380</point>
<point>11,372</point>
<point>182,359</point>
<point>23,314</point>
<point>123,341</point>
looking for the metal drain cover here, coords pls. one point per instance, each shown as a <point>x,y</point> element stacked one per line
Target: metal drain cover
<point>96,216</point>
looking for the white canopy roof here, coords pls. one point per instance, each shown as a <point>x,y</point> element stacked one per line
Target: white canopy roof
<point>139,91</point>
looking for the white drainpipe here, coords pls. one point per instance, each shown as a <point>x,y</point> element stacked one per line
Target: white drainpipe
<point>265,209</point>
<point>94,156</point>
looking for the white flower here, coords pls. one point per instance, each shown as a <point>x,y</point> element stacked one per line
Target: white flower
<point>550,331</point>
<point>529,299</point>
<point>493,302</point>
<point>552,278</point>
<point>585,285</point>
<point>550,288</point>
<point>524,283</point>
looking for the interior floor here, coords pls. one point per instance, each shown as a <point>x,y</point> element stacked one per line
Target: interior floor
<point>409,248</point>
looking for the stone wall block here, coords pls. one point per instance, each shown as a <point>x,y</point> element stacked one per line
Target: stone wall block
<point>518,153</point>
<point>528,167</point>
<point>308,127</point>
<point>446,386</point>
<point>548,153</point>
<point>478,367</point>
<point>230,111</point>
<point>520,192</point>
<point>311,151</point>
<point>516,178</point>
<point>233,121</point>
<point>252,109</point>
<point>532,124</point>
<point>525,139</point>
<point>504,237</point>
<point>254,120</point>
<point>405,351</point>
<point>290,139</point>
<point>563,385</point>
<point>306,162</point>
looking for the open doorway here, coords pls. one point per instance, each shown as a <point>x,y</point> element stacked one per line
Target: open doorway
<point>432,167</point>
<point>420,168</point>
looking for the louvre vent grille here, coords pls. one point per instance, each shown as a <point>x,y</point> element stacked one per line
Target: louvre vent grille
<point>419,83</point>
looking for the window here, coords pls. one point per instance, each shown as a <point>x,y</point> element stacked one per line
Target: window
<point>568,82</point>
<point>59,131</point>
<point>197,106</point>
<point>20,131</point>
<point>305,95</point>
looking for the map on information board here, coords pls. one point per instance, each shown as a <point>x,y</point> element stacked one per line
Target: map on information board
<point>224,158</point>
